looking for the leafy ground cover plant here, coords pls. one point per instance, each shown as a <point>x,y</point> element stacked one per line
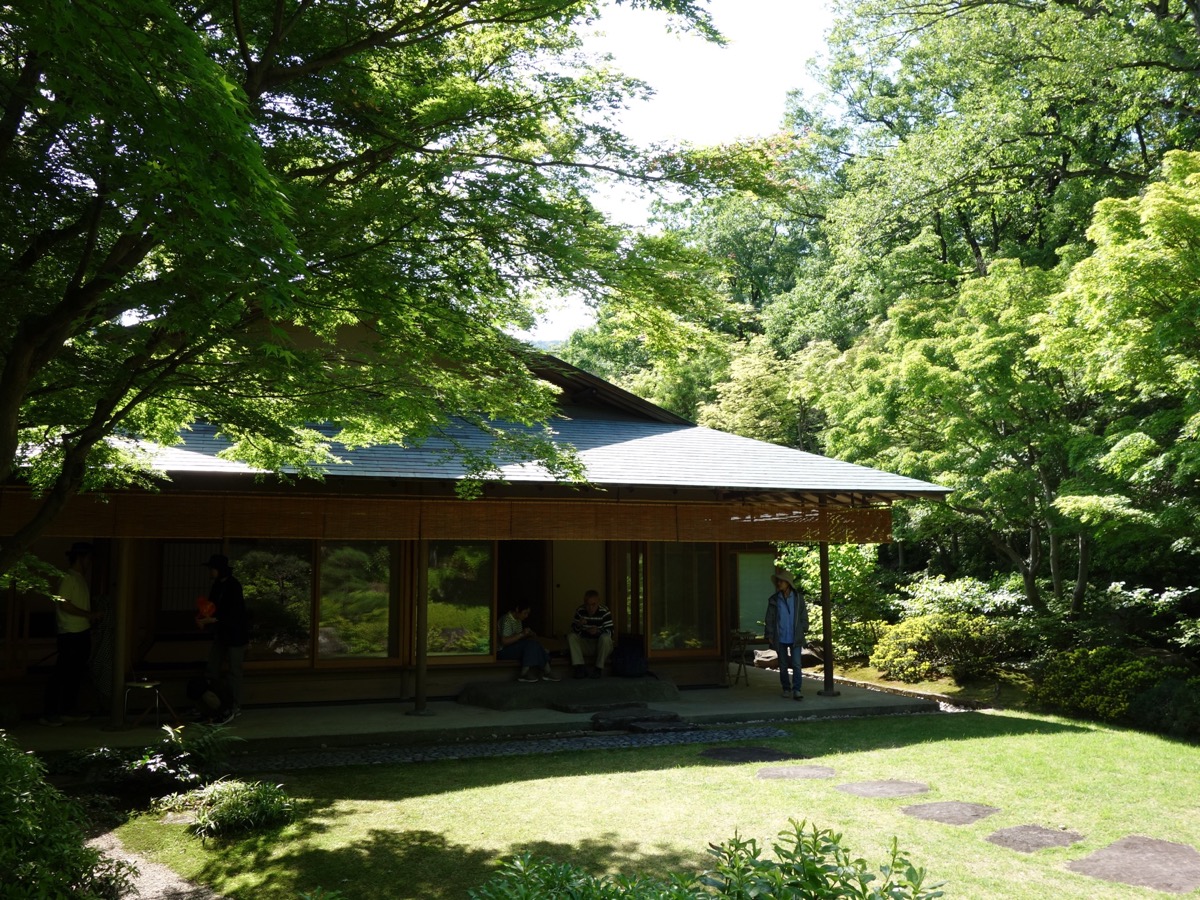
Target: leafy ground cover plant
<point>183,757</point>
<point>231,807</point>
<point>42,840</point>
<point>810,863</point>
<point>813,864</point>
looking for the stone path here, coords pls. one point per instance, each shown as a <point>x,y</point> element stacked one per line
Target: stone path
<point>1135,860</point>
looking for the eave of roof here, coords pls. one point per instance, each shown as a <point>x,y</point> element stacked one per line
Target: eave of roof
<point>616,453</point>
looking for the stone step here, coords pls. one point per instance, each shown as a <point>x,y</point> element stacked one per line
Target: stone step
<point>592,706</point>
<point>623,719</point>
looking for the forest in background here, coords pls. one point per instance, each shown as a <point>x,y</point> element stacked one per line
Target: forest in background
<point>973,260</point>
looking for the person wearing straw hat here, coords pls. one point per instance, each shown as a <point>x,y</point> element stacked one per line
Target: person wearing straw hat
<point>786,622</point>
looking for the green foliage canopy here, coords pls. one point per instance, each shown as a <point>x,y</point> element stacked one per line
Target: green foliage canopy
<point>245,212</point>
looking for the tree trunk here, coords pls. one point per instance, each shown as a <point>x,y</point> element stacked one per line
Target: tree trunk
<point>1056,575</point>
<point>1081,576</point>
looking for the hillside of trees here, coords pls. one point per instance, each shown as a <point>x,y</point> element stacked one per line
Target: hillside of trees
<point>975,260</point>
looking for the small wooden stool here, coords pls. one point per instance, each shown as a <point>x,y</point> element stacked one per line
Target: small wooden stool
<point>147,685</point>
<point>738,641</point>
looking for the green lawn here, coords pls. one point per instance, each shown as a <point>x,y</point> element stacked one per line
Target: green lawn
<point>435,830</point>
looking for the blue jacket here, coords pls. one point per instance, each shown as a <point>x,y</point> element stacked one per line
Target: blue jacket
<point>771,620</point>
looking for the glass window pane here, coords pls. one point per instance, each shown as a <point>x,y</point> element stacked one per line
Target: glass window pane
<point>754,571</point>
<point>355,599</point>
<point>682,596</point>
<point>460,580</point>
<point>276,577</point>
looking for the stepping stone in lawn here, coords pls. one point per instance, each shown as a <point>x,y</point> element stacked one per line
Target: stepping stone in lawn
<point>1146,862</point>
<point>950,812</point>
<point>1028,838</point>
<point>748,754</point>
<point>796,772</point>
<point>889,788</point>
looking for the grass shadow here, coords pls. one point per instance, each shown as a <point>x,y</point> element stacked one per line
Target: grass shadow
<point>803,740</point>
<point>407,864</point>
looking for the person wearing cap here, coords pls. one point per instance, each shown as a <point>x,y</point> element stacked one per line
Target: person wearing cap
<point>232,632</point>
<point>74,616</point>
<point>786,622</point>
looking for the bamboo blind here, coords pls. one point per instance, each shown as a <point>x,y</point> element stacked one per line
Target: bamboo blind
<point>353,518</point>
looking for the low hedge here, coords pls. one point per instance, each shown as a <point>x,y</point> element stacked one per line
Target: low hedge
<point>1113,685</point>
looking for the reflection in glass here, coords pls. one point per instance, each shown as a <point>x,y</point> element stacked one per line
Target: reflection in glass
<point>460,582</point>
<point>277,579</point>
<point>355,600</point>
<point>682,596</point>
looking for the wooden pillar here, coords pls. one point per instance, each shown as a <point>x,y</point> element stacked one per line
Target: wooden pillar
<point>826,622</point>
<point>422,636</point>
<point>122,613</point>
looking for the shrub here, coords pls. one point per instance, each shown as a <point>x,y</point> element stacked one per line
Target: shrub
<point>1170,707</point>
<point>42,841</point>
<point>1098,682</point>
<point>811,864</point>
<point>932,594</point>
<point>854,575</point>
<point>856,640</point>
<point>524,878</point>
<point>185,756</point>
<point>231,807</point>
<point>923,648</point>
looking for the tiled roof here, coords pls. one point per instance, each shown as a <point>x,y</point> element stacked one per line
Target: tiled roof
<point>619,451</point>
<point>622,441</point>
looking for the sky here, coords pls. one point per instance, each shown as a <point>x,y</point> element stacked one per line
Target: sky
<point>704,94</point>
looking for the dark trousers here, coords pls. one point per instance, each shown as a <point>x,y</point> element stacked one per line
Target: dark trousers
<point>70,671</point>
<point>531,653</point>
<point>789,659</point>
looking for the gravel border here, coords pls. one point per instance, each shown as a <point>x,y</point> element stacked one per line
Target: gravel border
<point>384,755</point>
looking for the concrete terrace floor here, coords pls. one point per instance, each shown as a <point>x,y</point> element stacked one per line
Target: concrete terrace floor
<point>295,727</point>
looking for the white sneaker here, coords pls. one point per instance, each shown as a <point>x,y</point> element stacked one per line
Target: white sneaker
<point>787,693</point>
<point>547,675</point>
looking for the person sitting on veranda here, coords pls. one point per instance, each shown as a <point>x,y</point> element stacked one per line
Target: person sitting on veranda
<point>518,641</point>
<point>591,634</point>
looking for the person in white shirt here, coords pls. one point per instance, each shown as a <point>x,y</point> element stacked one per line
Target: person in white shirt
<point>74,616</point>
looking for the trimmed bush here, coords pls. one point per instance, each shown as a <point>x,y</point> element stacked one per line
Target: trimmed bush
<point>42,840</point>
<point>924,648</point>
<point>1097,683</point>
<point>1170,707</point>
